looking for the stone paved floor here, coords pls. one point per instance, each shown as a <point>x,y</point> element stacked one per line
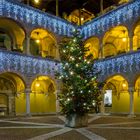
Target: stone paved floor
<point>52,127</point>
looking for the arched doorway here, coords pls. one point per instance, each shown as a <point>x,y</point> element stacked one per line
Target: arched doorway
<point>11,87</point>
<point>115,41</point>
<point>11,35</point>
<point>43,98</point>
<point>116,97</point>
<point>43,44</point>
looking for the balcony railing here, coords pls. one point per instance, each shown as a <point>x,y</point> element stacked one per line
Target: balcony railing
<point>125,64</point>
<point>27,65</point>
<point>35,17</point>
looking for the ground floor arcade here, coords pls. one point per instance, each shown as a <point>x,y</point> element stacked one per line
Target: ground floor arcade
<point>17,99</point>
<point>41,98</point>
<point>121,97</point>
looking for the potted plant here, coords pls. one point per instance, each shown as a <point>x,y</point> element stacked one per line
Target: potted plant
<point>80,87</point>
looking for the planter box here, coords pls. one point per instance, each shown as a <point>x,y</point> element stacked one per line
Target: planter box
<point>76,120</point>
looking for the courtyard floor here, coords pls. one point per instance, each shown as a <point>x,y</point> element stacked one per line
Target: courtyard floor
<point>51,127</point>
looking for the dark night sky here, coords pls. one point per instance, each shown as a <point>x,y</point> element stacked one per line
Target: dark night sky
<point>68,6</point>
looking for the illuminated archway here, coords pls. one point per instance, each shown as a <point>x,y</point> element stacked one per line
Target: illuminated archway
<point>137,96</point>
<point>11,35</point>
<point>115,41</point>
<point>116,94</point>
<point>11,94</point>
<point>43,98</point>
<point>136,37</point>
<point>43,44</point>
<point>92,45</point>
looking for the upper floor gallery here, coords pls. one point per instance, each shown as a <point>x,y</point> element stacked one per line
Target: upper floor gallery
<point>34,33</point>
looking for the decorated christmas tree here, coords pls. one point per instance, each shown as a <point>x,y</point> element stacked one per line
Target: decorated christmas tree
<point>80,87</point>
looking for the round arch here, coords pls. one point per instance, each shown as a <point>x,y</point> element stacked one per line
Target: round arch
<point>136,94</point>
<point>116,95</point>
<point>11,94</point>
<point>93,45</point>
<point>136,36</point>
<point>43,43</point>
<point>12,34</point>
<point>43,95</point>
<point>117,39</point>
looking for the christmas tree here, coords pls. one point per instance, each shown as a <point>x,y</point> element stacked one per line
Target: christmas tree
<point>80,87</point>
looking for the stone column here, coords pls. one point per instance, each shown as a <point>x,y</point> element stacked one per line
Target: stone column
<point>57,102</point>
<point>10,98</point>
<point>102,108</point>
<point>58,90</point>
<point>27,47</point>
<point>131,107</point>
<point>131,41</point>
<point>101,48</point>
<point>27,92</point>
<point>57,52</point>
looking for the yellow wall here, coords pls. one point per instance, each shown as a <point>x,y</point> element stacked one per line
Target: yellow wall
<point>121,104</point>
<point>136,102</point>
<point>40,103</point>
<point>21,104</point>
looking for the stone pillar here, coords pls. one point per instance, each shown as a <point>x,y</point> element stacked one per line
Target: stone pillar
<point>57,102</point>
<point>57,53</point>
<point>101,48</point>
<point>10,99</point>
<point>27,45</point>
<point>102,108</point>
<point>131,107</point>
<point>27,92</point>
<point>131,41</point>
<point>58,90</point>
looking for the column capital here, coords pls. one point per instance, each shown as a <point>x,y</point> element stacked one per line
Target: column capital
<point>27,47</point>
<point>131,34</point>
<point>28,90</point>
<point>131,89</point>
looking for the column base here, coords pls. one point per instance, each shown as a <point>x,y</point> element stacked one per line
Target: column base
<point>101,114</point>
<point>28,115</point>
<point>131,116</point>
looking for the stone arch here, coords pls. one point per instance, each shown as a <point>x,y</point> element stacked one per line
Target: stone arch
<point>135,78</point>
<point>45,75</point>
<point>109,50</point>
<point>12,87</point>
<point>117,37</point>
<point>43,43</point>
<point>136,35</point>
<point>43,95</point>
<point>93,45</point>
<point>9,39</point>
<point>15,31</point>
<point>116,88</point>
<point>137,94</point>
